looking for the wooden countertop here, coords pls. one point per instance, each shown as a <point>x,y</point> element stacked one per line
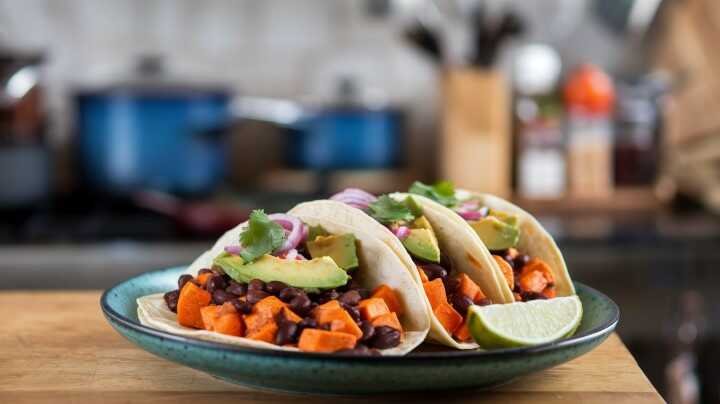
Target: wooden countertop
<point>57,347</point>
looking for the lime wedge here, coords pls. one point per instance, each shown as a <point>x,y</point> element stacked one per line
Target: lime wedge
<point>524,323</point>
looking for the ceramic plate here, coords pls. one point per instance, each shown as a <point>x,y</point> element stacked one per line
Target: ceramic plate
<point>428,367</point>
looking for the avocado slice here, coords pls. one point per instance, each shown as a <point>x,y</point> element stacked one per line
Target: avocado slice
<point>315,231</point>
<point>421,242</point>
<point>315,274</point>
<point>496,233</point>
<point>505,217</point>
<point>341,248</point>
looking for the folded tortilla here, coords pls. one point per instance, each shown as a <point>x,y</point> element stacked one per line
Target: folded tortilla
<point>457,240</point>
<point>378,265</point>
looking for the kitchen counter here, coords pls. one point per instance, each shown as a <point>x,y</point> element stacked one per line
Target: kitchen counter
<point>57,347</point>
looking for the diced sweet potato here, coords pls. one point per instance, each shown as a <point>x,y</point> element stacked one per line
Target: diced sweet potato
<point>269,306</point>
<point>265,333</point>
<point>387,319</point>
<point>532,281</point>
<point>331,312</point>
<point>448,317</point>
<point>462,333</point>
<point>290,315</point>
<point>549,292</point>
<point>536,264</point>
<point>435,292</point>
<point>203,277</point>
<point>192,298</point>
<point>386,293</point>
<point>372,307</point>
<point>507,271</point>
<point>314,340</point>
<point>229,324</point>
<point>255,321</point>
<point>208,314</point>
<point>423,275</point>
<point>467,287</point>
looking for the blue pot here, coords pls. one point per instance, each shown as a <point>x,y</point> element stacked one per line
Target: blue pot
<point>346,138</point>
<point>133,139</point>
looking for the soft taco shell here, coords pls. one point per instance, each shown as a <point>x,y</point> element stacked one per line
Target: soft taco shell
<point>455,238</point>
<point>378,265</point>
<point>535,241</point>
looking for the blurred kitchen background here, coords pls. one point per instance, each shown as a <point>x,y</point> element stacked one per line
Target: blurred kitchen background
<point>133,133</point>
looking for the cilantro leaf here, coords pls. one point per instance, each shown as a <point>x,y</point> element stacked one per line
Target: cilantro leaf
<point>442,192</point>
<point>387,210</point>
<point>262,236</point>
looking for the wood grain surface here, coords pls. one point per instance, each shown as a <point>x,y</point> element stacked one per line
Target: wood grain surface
<point>57,347</point>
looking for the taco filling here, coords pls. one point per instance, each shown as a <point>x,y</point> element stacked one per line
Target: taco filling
<point>449,292</point>
<point>290,284</point>
<point>529,278</point>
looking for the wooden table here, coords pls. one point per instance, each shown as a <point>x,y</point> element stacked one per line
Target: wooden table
<point>57,347</point>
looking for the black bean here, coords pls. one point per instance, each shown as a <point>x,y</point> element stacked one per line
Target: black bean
<point>520,261</point>
<point>325,327</point>
<point>288,294</point>
<point>451,285</point>
<point>204,271</point>
<point>242,306</point>
<point>446,263</point>
<point>351,298</point>
<point>433,271</point>
<point>483,302</point>
<point>171,299</point>
<point>368,331</point>
<point>364,293</point>
<point>220,296</point>
<point>256,284</point>
<point>214,283</point>
<point>237,289</point>
<point>527,296</point>
<point>255,295</point>
<point>328,295</point>
<point>461,303</point>
<point>274,287</point>
<point>385,337</point>
<point>353,311</point>
<point>352,285</point>
<point>183,279</point>
<point>287,332</point>
<point>300,305</point>
<point>307,322</point>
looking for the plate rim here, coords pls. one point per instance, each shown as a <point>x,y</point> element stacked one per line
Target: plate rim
<point>603,330</point>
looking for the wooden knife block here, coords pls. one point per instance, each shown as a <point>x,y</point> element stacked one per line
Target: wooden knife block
<point>475,142</point>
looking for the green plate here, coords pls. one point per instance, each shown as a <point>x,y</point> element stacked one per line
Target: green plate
<point>430,367</point>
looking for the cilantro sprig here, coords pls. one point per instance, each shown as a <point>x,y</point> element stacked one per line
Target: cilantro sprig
<point>442,192</point>
<point>262,236</point>
<point>387,210</point>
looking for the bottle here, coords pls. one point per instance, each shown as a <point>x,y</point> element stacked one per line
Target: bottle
<point>589,100</point>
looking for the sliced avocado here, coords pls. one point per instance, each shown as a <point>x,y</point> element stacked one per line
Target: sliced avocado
<point>495,233</point>
<point>315,231</point>
<point>422,223</point>
<point>422,244</point>
<point>341,248</point>
<point>503,216</point>
<point>411,204</point>
<point>315,274</point>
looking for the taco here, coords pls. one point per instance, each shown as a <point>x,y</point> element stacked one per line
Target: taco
<point>522,251</point>
<point>295,282</point>
<point>450,266</point>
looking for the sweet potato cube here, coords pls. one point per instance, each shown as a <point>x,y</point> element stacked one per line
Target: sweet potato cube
<point>331,312</point>
<point>208,314</point>
<point>192,298</point>
<point>468,287</point>
<point>448,317</point>
<point>386,293</point>
<point>229,324</point>
<point>290,315</point>
<point>269,306</point>
<point>435,292</point>
<point>203,277</point>
<point>387,319</point>
<point>264,333</point>
<point>314,340</point>
<point>372,307</point>
<point>462,333</point>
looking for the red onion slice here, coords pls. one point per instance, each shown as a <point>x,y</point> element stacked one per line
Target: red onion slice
<point>233,249</point>
<point>291,255</point>
<point>355,197</point>
<point>402,232</point>
<point>470,214</point>
<point>295,228</point>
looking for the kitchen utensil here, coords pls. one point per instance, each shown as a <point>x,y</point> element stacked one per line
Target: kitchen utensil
<point>152,133</point>
<point>432,367</point>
